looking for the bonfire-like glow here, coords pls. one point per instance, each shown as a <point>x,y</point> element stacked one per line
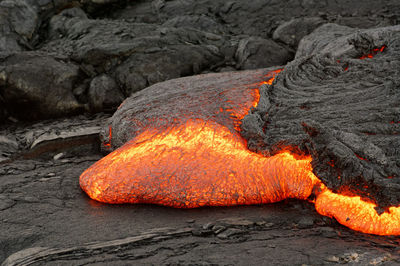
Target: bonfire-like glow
<point>203,163</point>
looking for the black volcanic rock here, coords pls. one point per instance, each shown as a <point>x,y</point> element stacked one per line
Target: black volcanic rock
<point>292,31</point>
<point>348,106</point>
<point>137,54</point>
<point>35,85</point>
<point>104,94</point>
<point>260,18</point>
<point>19,21</point>
<point>256,52</point>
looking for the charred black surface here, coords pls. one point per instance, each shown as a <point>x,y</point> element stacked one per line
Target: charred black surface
<point>348,106</point>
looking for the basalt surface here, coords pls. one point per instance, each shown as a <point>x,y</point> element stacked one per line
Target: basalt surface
<point>341,106</point>
<point>139,43</point>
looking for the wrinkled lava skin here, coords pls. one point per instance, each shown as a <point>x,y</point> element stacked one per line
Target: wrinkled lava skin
<point>204,163</point>
<point>193,165</point>
<point>343,87</point>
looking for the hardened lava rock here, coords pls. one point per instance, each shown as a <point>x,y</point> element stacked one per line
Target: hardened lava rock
<point>338,101</point>
<point>216,96</point>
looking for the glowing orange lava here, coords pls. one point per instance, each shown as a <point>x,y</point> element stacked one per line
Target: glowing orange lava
<point>271,79</point>
<point>196,164</point>
<point>203,163</point>
<point>108,143</point>
<point>358,214</point>
<point>374,52</point>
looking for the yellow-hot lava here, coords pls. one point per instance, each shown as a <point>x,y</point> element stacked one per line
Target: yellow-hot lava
<point>358,214</point>
<point>203,163</point>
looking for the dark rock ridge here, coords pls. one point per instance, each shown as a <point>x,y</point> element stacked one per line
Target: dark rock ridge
<point>348,106</point>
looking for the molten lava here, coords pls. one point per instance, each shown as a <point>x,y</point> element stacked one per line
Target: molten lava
<point>271,79</point>
<point>204,163</point>
<point>199,163</point>
<point>374,52</point>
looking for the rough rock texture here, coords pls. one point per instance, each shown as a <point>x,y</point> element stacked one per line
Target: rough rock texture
<point>262,17</point>
<point>48,136</point>
<point>213,96</point>
<point>292,31</point>
<point>249,50</point>
<point>19,21</point>
<point>140,43</point>
<point>104,93</point>
<point>139,55</point>
<point>35,81</point>
<point>348,106</point>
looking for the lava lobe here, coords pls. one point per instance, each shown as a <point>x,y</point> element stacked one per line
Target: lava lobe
<point>327,125</point>
<point>198,163</point>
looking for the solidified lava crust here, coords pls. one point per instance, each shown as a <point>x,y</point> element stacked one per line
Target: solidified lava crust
<point>339,102</point>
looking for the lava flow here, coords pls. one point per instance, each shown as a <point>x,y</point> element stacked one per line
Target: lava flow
<point>204,163</point>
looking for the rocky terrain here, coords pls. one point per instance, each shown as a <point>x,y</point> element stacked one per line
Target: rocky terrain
<point>65,67</point>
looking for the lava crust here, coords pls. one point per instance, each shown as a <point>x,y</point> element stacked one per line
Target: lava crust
<point>343,90</point>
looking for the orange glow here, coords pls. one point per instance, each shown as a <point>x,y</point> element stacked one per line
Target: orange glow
<point>271,79</point>
<point>196,164</point>
<point>373,52</point>
<point>108,143</point>
<point>204,163</point>
<point>353,212</point>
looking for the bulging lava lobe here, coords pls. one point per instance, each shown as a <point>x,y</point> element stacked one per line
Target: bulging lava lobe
<point>358,214</point>
<point>196,164</point>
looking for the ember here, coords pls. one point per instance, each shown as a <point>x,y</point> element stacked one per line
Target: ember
<point>271,79</point>
<point>374,52</point>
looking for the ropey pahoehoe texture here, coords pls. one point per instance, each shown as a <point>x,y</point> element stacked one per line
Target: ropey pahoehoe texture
<point>348,106</point>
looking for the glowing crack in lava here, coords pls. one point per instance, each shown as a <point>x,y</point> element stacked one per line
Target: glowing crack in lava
<point>373,52</point>
<point>203,163</point>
